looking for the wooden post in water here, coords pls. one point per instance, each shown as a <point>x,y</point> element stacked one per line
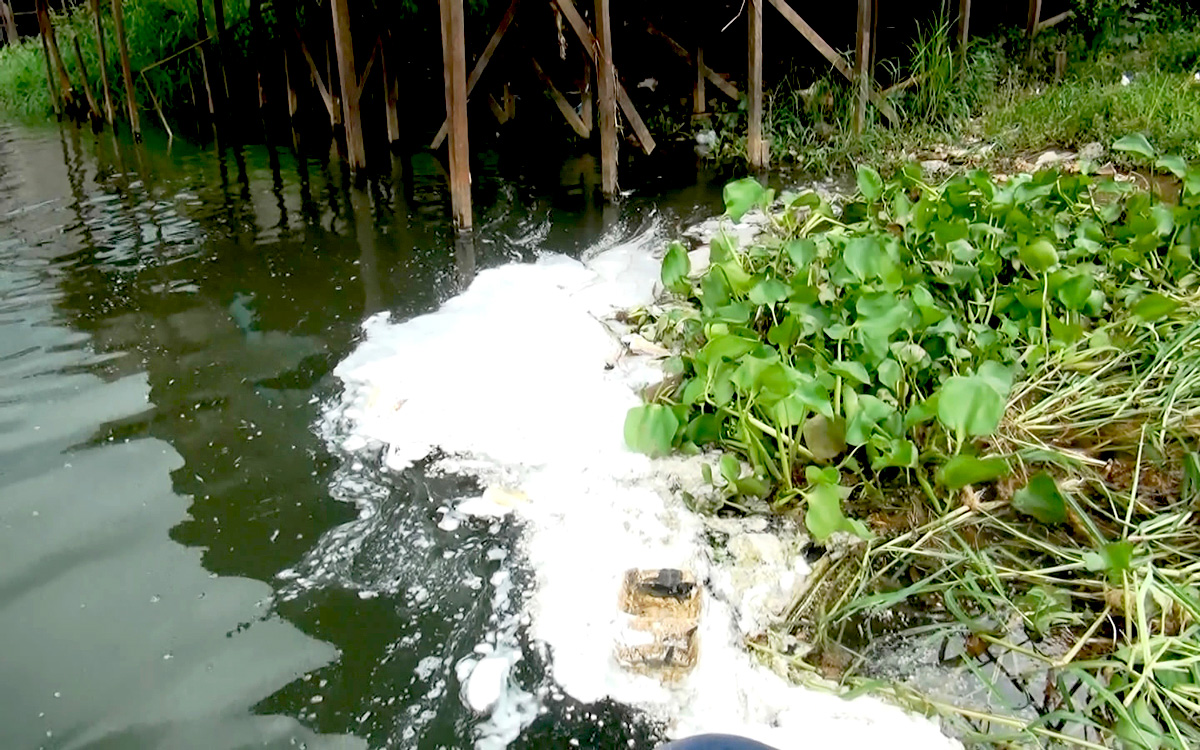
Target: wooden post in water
<point>219,59</point>
<point>606,104</point>
<point>109,114</point>
<point>756,149</point>
<point>55,98</point>
<point>343,42</point>
<point>126,72</point>
<point>64,81</point>
<point>862,66</point>
<point>10,22</point>
<point>202,33</point>
<point>94,108</point>
<point>293,101</point>
<point>700,102</point>
<point>1035,15</point>
<point>964,24</point>
<point>391,94</point>
<point>454,64</point>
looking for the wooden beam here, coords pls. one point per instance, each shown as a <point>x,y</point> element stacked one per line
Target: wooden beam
<point>10,22</point>
<point>47,28</point>
<point>756,150</point>
<point>391,96</point>
<point>93,106</point>
<point>202,33</point>
<point>335,112</point>
<point>481,64</point>
<point>587,102</point>
<point>362,80</point>
<point>573,119</point>
<point>580,27</point>
<point>1054,20</point>
<point>293,103</point>
<point>862,70</point>
<point>454,63</point>
<point>600,50</point>
<point>109,113</point>
<point>1034,17</point>
<point>964,24</point>
<point>343,41</point>
<point>126,72</point>
<point>708,73</point>
<point>55,95</point>
<point>699,98</point>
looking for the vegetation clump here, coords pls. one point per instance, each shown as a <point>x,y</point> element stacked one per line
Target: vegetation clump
<point>993,385</point>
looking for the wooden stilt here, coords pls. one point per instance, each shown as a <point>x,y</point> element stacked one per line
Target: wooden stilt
<point>202,33</point>
<point>606,104</point>
<point>55,96</point>
<point>481,64</point>
<point>1035,16</point>
<point>723,85</point>
<point>343,41</point>
<point>862,71</point>
<point>454,64</point>
<point>60,69</point>
<point>587,102</point>
<point>964,24</point>
<point>293,101</point>
<point>126,72</point>
<point>756,150</point>
<point>93,106</point>
<point>699,101</point>
<point>10,22</point>
<point>218,47</point>
<point>109,114</point>
<point>391,97</point>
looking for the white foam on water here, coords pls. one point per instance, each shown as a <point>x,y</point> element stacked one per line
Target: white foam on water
<point>522,381</point>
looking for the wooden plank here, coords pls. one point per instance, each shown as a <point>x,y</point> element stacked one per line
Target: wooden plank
<point>362,80</point>
<point>454,59</point>
<point>343,42</point>
<point>699,98</point>
<point>964,24</point>
<point>126,72</point>
<point>573,119</point>
<point>755,147</point>
<point>708,73</point>
<point>862,70</point>
<point>580,27</point>
<point>481,64</point>
<point>1054,20</point>
<point>606,85</point>
<point>109,113</point>
<point>837,61</point>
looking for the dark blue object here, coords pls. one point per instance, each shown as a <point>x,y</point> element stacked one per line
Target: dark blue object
<point>715,742</point>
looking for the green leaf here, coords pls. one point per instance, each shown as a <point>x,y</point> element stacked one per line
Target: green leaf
<point>730,468</point>
<point>675,269</point>
<point>851,371</point>
<point>870,184</point>
<point>1138,729</point>
<point>1135,144</point>
<point>825,438</point>
<point>1039,255</point>
<point>963,470</point>
<point>802,253</point>
<point>1114,558</point>
<point>1041,499</point>
<point>1173,163</point>
<point>742,195</point>
<point>824,515</point>
<point>867,412</point>
<point>971,406</point>
<point>714,289</point>
<point>768,291</point>
<point>651,429</point>
<point>704,429</point>
<point>900,453</point>
<point>866,259</point>
<point>1153,306</point>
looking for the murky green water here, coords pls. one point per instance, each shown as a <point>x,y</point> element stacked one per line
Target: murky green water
<point>168,322</point>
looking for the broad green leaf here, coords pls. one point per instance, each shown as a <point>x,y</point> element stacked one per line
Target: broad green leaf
<point>742,195</point>
<point>1139,729</point>
<point>900,453</point>
<point>807,397</point>
<point>651,429</point>
<point>801,252</point>
<point>704,429</point>
<point>890,373</point>
<point>868,411</point>
<point>714,289</point>
<point>768,291</point>
<point>866,258</point>
<point>751,485</point>
<point>675,269</point>
<point>1114,558</point>
<point>824,515</point>
<point>1173,163</point>
<point>870,184</point>
<point>963,470</point>
<point>1075,292</point>
<point>1041,499</point>
<point>825,438</point>
<point>850,370</point>
<point>1153,306</point>
<point>1135,144</point>
<point>970,406</point>
<point>730,468</point>
<point>727,347</point>
<point>1039,255</point>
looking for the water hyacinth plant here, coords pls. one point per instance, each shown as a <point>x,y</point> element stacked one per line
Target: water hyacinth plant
<point>994,384</point>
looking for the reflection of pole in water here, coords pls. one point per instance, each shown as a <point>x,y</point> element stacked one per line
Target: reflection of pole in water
<point>277,184</point>
<point>368,265</point>
<point>464,257</point>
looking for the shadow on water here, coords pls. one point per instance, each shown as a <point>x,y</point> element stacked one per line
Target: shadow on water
<point>169,320</point>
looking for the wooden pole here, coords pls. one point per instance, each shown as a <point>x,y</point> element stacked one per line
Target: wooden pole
<point>1035,15</point>
<point>93,107</point>
<point>699,100</point>
<point>862,71</point>
<point>126,71</point>
<point>964,24</point>
<point>55,97</point>
<point>343,41</point>
<point>10,22</point>
<point>202,33</point>
<point>293,101</point>
<point>391,97</point>
<point>64,81</point>
<point>756,150</point>
<point>109,113</point>
<point>606,104</point>
<point>454,64</point>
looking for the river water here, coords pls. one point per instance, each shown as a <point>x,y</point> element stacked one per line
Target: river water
<point>169,322</point>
